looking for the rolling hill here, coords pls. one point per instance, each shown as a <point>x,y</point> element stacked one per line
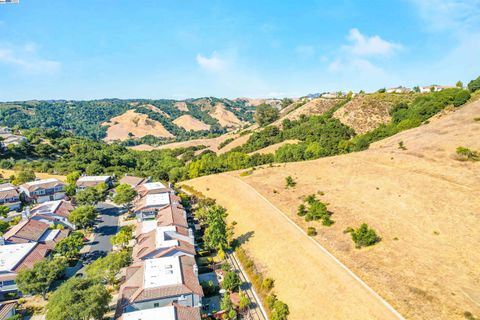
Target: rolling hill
<point>410,188</point>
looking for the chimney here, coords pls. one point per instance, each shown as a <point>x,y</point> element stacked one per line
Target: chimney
<point>191,236</point>
<point>195,270</point>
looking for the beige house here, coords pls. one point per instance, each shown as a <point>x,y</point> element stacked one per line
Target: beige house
<point>44,190</point>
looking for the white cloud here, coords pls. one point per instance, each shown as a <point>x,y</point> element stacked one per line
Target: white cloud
<point>25,59</point>
<point>362,45</point>
<point>214,63</point>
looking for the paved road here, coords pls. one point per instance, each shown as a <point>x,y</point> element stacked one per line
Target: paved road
<point>106,227</point>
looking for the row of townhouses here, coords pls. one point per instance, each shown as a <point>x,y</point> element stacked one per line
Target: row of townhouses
<point>31,240</point>
<point>162,282</point>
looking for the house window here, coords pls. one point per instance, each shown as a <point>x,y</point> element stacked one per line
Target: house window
<point>156,305</point>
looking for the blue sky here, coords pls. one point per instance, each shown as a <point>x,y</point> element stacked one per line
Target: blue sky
<point>257,48</point>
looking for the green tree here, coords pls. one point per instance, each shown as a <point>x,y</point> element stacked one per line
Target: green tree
<point>231,281</point>
<point>226,303</point>
<point>79,299</point>
<point>216,234</point>
<point>83,216</point>
<point>4,226</point>
<point>71,186</point>
<point>124,195</point>
<point>24,176</point>
<point>279,311</point>
<point>459,84</point>
<point>107,268</point>
<point>364,236</point>
<point>244,301</point>
<point>460,98</point>
<point>286,102</point>
<point>70,246</point>
<point>302,210</point>
<point>123,237</point>
<point>266,114</point>
<point>90,196</point>
<point>4,210</point>
<point>39,279</point>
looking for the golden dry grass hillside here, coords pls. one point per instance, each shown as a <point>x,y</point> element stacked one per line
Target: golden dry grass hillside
<point>313,107</point>
<point>366,112</point>
<point>422,201</point>
<point>225,117</point>
<point>188,123</point>
<point>135,123</point>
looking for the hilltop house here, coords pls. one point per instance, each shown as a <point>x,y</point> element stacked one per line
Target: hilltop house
<point>159,242</point>
<point>160,282</point>
<point>9,196</point>
<point>7,137</point>
<point>434,88</point>
<point>93,181</point>
<point>43,190</point>
<point>134,182</point>
<point>53,213</point>
<point>399,89</point>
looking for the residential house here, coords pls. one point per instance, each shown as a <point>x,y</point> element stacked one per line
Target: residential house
<point>93,181</point>
<point>163,242</point>
<point>15,257</point>
<point>398,90</point>
<point>152,188</point>
<point>173,312</point>
<point>44,190</point>
<point>7,309</point>
<point>9,138</point>
<point>53,213</point>
<point>148,206</point>
<point>134,182</point>
<point>434,88</point>
<point>9,196</point>
<point>160,282</point>
<point>30,230</point>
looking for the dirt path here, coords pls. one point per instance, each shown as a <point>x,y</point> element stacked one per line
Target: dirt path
<point>310,280</point>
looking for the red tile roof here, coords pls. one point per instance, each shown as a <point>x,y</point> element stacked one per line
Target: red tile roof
<point>38,253</point>
<point>6,308</point>
<point>133,181</point>
<point>26,231</point>
<point>187,313</point>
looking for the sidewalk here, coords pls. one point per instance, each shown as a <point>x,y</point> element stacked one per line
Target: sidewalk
<point>257,312</point>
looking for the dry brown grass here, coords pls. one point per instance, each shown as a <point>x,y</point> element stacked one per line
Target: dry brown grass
<point>7,173</point>
<point>155,109</point>
<point>422,202</point>
<point>188,123</point>
<point>181,105</point>
<point>225,117</point>
<point>313,107</point>
<point>138,124</point>
<point>366,112</point>
<point>274,147</point>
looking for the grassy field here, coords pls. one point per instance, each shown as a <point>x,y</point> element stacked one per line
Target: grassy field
<point>422,202</point>
<point>7,173</point>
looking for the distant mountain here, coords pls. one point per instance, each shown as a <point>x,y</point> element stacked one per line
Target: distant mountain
<point>112,119</point>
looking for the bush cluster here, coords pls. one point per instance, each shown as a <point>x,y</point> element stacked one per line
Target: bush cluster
<point>314,210</point>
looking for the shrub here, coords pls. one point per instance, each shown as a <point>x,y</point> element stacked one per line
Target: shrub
<point>460,98</point>
<point>266,114</point>
<point>289,182</point>
<point>465,154</point>
<point>364,236</point>
<point>311,231</point>
<point>231,282</point>
<point>474,85</point>
<point>267,284</point>
<point>302,210</point>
